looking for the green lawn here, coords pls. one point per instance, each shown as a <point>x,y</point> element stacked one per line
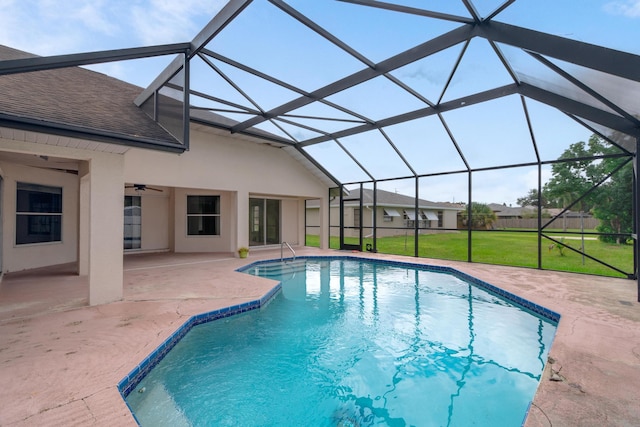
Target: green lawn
<point>506,248</point>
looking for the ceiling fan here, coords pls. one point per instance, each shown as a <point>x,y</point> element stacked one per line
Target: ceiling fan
<point>142,187</point>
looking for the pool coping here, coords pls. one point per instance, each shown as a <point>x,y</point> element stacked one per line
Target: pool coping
<point>133,378</point>
<point>139,372</point>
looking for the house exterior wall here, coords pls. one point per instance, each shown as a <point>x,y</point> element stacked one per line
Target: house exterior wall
<point>390,228</point>
<point>226,164</point>
<point>21,257</point>
<point>185,243</point>
<point>155,222</point>
<point>234,169</point>
<point>92,205</point>
<point>289,222</point>
<point>450,219</point>
<point>93,193</point>
<point>106,227</point>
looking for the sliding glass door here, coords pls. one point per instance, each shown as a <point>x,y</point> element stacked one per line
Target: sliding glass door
<point>132,222</point>
<point>264,222</point>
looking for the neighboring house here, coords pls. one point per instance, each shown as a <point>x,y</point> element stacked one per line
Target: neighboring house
<point>526,217</point>
<point>507,212</point>
<point>86,176</point>
<point>519,212</point>
<point>395,214</point>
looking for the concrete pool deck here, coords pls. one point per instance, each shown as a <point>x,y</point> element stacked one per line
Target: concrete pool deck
<point>61,360</point>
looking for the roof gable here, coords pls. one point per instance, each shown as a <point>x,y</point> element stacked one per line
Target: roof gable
<point>76,101</point>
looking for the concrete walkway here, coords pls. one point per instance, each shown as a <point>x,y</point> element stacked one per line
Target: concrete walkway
<point>61,361</point>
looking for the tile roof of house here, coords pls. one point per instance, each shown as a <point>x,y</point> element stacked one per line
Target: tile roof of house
<point>88,103</point>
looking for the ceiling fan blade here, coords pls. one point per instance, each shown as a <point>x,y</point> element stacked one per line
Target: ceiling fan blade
<point>142,187</point>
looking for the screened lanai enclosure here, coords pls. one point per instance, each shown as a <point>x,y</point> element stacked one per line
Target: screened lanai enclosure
<point>459,105</point>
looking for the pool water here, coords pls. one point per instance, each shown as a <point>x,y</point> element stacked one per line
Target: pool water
<point>354,343</point>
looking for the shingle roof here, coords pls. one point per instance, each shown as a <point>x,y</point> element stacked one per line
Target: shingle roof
<point>503,210</point>
<point>388,198</point>
<point>75,99</point>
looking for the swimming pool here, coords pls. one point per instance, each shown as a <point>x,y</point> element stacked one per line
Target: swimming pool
<point>353,342</point>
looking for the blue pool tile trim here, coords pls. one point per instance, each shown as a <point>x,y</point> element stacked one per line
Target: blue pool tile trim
<point>131,381</point>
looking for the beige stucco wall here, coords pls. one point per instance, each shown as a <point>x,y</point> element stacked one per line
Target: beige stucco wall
<point>224,163</point>
<point>93,199</point>
<point>290,220</point>
<point>185,243</point>
<point>22,257</point>
<point>235,169</point>
<point>155,222</point>
<point>106,227</point>
<point>92,209</point>
<point>450,219</point>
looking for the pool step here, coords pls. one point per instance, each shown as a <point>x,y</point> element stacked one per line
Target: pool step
<point>281,269</point>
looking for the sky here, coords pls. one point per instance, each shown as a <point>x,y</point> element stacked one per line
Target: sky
<point>52,27</point>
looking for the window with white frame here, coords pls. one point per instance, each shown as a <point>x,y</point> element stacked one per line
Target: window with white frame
<point>38,214</point>
<point>389,214</point>
<point>203,215</point>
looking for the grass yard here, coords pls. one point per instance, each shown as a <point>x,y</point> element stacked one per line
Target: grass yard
<point>506,248</point>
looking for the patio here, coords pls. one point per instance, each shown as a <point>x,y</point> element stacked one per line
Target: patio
<point>61,360</point>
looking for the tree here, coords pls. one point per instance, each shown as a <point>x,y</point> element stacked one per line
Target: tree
<point>572,179</point>
<point>613,206</point>
<point>481,216</point>
<point>531,199</point>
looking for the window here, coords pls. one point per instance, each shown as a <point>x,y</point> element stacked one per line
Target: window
<point>440,219</point>
<point>389,214</point>
<point>430,218</point>
<point>356,217</point>
<point>203,215</point>
<point>38,214</point>
<point>409,217</point>
<point>132,222</point>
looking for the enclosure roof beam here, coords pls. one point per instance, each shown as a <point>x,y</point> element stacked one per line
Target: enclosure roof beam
<point>417,114</point>
<point>579,109</point>
<point>40,63</point>
<point>430,47</point>
<point>221,20</point>
<point>599,58</point>
<point>411,10</point>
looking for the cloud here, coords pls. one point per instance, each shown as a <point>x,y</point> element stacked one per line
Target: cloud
<point>168,21</point>
<point>97,17</point>
<point>436,76</point>
<point>49,27</point>
<point>52,27</point>
<point>628,8</point>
